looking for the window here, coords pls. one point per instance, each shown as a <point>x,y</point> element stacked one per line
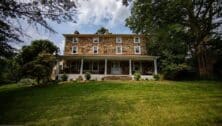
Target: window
<point>137,50</point>
<point>74,49</point>
<point>95,49</point>
<point>96,40</point>
<point>136,40</point>
<point>75,40</point>
<point>118,49</point>
<point>118,40</point>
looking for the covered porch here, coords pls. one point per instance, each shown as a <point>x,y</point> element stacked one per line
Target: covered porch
<point>102,66</point>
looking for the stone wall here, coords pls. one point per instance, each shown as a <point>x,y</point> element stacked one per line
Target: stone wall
<point>106,46</point>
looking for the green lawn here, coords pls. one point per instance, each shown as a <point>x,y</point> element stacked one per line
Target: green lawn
<point>126,103</point>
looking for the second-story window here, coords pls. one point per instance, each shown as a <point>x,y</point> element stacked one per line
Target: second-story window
<point>118,40</point>
<point>95,49</point>
<point>137,50</point>
<point>118,49</point>
<point>74,49</point>
<point>75,40</point>
<point>96,40</point>
<point>137,40</point>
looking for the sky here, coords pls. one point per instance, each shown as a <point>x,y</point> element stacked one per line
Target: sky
<point>91,15</point>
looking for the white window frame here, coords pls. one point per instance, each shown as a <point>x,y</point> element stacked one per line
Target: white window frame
<point>95,38</point>
<point>96,48</point>
<point>121,48</point>
<point>135,47</point>
<point>77,40</point>
<point>135,39</point>
<point>76,49</point>
<point>117,38</point>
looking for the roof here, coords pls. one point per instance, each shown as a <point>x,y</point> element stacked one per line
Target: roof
<point>109,57</point>
<point>100,35</point>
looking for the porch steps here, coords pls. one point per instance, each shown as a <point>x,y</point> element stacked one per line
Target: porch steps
<point>117,78</point>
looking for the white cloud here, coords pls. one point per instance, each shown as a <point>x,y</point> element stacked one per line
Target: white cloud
<point>92,14</point>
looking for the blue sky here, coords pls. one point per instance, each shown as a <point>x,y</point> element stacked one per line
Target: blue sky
<point>91,15</point>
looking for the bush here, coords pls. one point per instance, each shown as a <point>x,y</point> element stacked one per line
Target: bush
<point>87,76</point>
<point>137,76</point>
<point>179,72</point>
<point>64,77</point>
<point>79,78</point>
<point>27,82</point>
<point>156,76</point>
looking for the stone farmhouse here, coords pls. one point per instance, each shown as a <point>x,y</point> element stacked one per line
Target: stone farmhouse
<point>105,56</point>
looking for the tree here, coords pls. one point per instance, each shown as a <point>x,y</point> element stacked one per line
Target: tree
<point>35,12</point>
<point>40,68</point>
<point>38,59</point>
<point>196,19</point>
<point>102,30</point>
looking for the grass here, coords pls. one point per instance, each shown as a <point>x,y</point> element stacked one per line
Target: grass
<point>118,103</point>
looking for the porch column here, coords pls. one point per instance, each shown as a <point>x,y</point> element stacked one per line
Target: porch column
<point>130,67</point>
<point>105,71</point>
<point>81,67</point>
<point>155,66</point>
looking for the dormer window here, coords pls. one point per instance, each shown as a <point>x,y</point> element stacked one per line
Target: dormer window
<point>137,49</point>
<point>118,49</point>
<point>75,40</point>
<point>137,40</point>
<point>95,49</point>
<point>74,49</point>
<point>118,40</point>
<point>96,40</point>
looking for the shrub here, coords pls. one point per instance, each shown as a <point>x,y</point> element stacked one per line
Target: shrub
<point>137,76</point>
<point>179,72</point>
<point>87,76</point>
<point>156,76</point>
<point>79,78</point>
<point>27,82</point>
<point>64,77</point>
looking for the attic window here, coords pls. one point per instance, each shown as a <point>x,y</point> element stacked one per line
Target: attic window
<point>96,40</point>
<point>75,40</point>
<point>118,40</point>
<point>137,40</point>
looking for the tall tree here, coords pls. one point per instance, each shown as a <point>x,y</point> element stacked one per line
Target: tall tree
<point>197,19</point>
<point>35,12</point>
<point>102,30</point>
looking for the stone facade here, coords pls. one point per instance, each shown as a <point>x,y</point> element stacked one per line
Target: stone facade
<point>106,46</point>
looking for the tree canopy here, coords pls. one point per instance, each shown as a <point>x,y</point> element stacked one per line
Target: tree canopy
<point>190,23</point>
<point>103,30</point>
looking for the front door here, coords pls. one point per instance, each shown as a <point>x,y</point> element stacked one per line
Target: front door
<point>115,68</point>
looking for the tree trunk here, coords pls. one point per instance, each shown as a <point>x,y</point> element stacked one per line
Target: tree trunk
<point>202,63</point>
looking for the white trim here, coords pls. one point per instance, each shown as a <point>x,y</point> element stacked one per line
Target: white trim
<point>121,48</point>
<point>135,39</point>
<point>96,38</point>
<point>97,50</point>
<point>135,50</point>
<point>119,38</point>
<point>76,49</point>
<point>77,40</point>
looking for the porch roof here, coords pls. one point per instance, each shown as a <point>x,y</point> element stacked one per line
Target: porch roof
<point>108,57</point>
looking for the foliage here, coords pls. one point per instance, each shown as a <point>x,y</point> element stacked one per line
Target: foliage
<point>27,82</point>
<point>177,27</point>
<point>87,76</point>
<point>37,60</point>
<point>80,78</point>
<point>34,12</point>
<point>103,30</point>
<point>137,76</point>
<point>156,76</point>
<point>64,77</point>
